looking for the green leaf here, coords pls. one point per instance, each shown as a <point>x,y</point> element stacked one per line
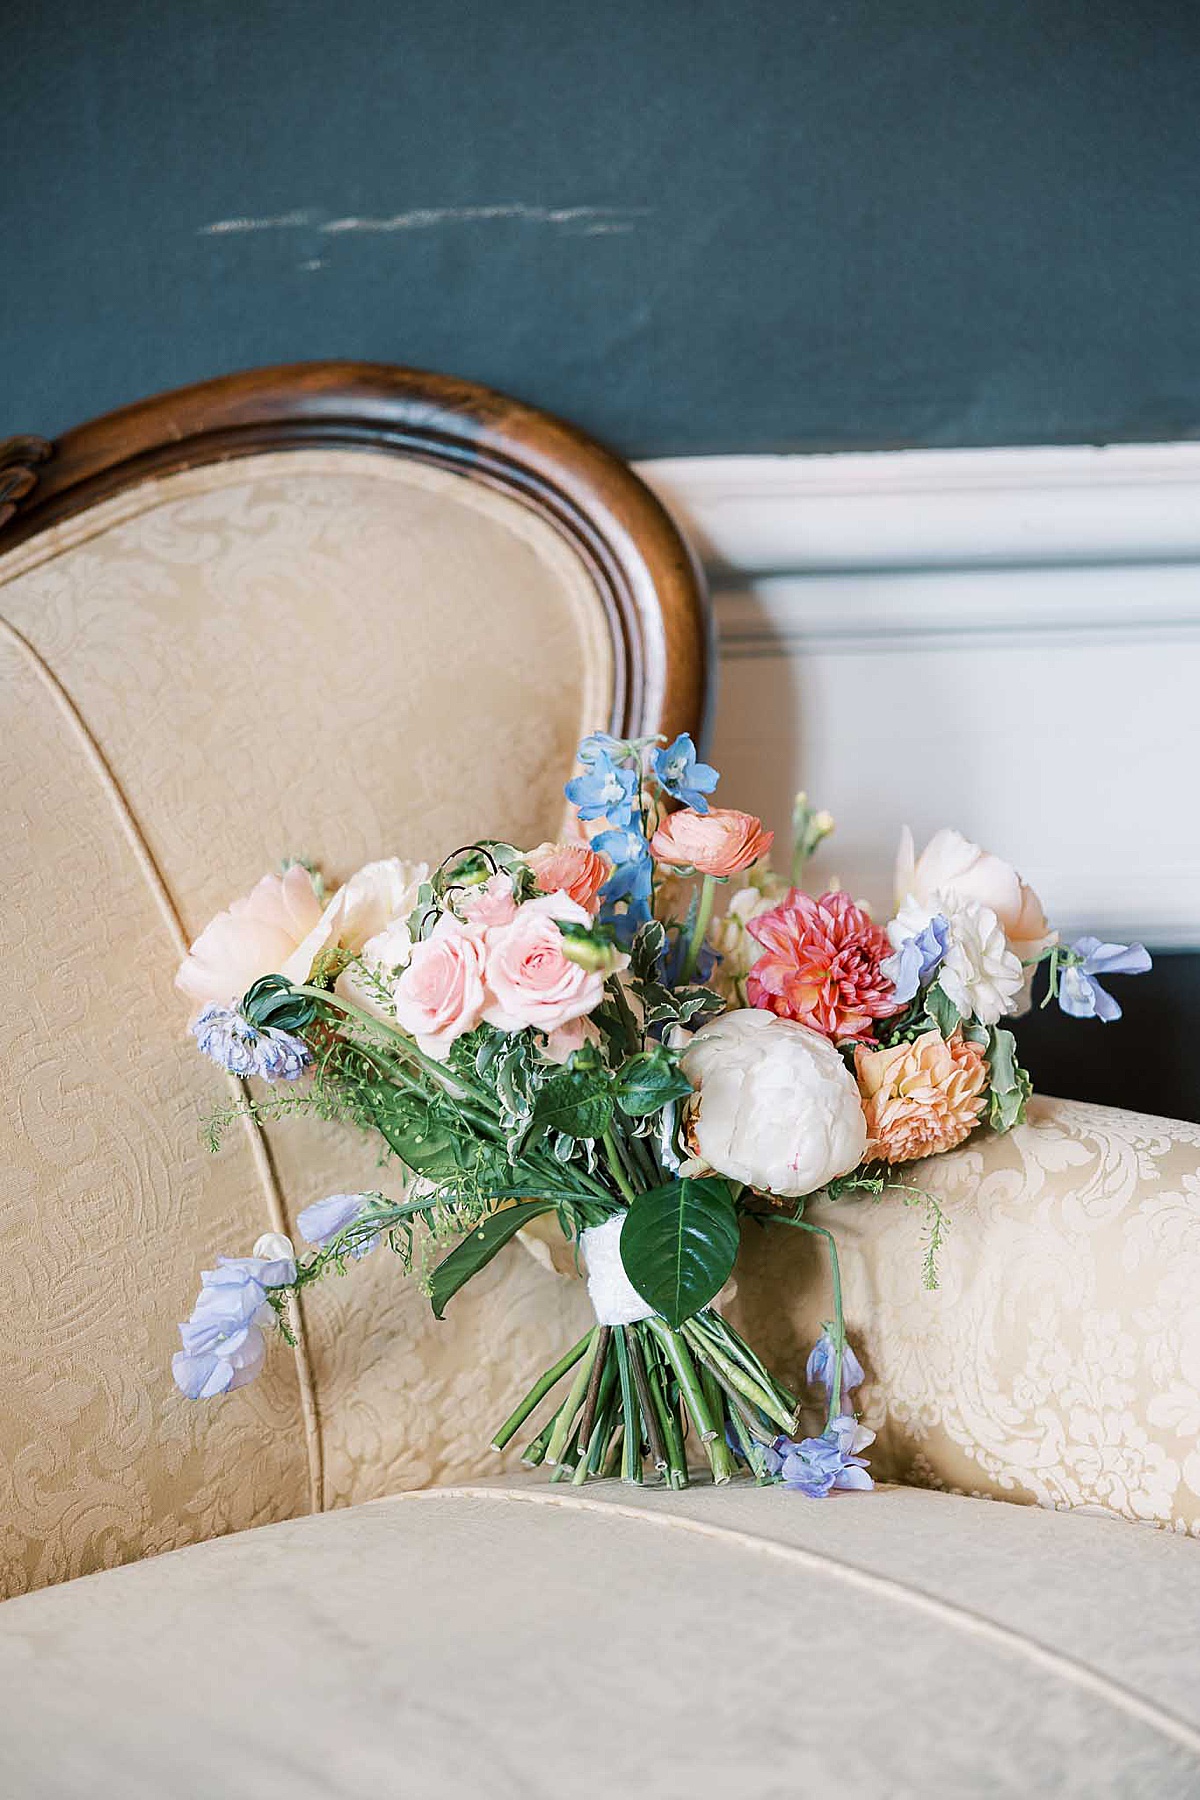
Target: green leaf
<point>941,1010</point>
<point>271,1005</point>
<point>418,1136</point>
<point>679,1244</point>
<point>577,1104</point>
<point>697,1003</point>
<point>1011,1086</point>
<point>477,1250</point>
<point>645,951</point>
<point>650,1081</point>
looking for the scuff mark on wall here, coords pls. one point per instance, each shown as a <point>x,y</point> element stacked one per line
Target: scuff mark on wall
<point>584,221</point>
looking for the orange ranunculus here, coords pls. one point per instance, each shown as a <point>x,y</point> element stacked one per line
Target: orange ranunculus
<point>718,842</point>
<point>572,869</point>
<point>922,1097</point>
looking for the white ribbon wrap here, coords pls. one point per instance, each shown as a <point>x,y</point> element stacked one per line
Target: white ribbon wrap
<point>615,1300</point>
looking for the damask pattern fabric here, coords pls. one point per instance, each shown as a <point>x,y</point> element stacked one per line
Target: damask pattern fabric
<point>1059,1359</point>
<point>323,654</point>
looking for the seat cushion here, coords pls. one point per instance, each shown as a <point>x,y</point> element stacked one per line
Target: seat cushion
<point>522,1639</point>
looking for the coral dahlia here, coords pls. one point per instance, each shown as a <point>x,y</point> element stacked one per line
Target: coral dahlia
<point>821,965</point>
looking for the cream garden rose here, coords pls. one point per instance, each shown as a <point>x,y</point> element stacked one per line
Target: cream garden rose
<point>261,934</point>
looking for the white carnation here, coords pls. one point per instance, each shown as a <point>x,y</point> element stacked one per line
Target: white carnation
<point>979,973</point>
<point>775,1105</point>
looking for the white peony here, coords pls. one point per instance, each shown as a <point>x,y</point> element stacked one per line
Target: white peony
<point>775,1105</point>
<point>380,893</point>
<point>979,972</point>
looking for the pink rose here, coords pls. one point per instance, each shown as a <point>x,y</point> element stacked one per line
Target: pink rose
<point>531,979</point>
<point>490,904</point>
<point>441,994</point>
<point>573,869</point>
<point>561,1044</point>
<point>718,842</point>
<point>256,936</point>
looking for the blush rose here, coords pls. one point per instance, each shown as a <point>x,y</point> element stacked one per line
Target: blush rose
<point>441,994</point>
<point>530,978</point>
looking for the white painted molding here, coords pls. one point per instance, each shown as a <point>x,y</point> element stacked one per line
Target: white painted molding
<point>1004,640</point>
<point>931,508</point>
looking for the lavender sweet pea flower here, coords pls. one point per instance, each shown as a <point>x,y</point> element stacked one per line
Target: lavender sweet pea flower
<point>202,1375</point>
<point>1080,994</point>
<point>817,1465</point>
<point>822,1365</point>
<point>916,957</point>
<point>223,1346</point>
<point>682,776</point>
<point>326,1219</point>
<point>268,1271</point>
<point>240,1048</point>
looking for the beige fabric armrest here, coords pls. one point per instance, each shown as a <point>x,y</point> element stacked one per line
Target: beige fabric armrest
<point>1059,1359</point>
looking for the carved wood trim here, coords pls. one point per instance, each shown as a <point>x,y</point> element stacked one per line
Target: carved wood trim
<point>20,458</point>
<point>648,579</point>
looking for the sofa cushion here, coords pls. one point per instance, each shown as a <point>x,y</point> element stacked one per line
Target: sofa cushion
<point>529,1641</point>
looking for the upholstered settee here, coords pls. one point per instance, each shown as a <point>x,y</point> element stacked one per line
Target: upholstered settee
<point>343,612</point>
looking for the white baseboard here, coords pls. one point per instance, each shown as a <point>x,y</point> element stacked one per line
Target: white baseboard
<point>1005,640</point>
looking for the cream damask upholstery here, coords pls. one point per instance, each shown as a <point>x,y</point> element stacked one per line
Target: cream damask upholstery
<point>1059,1359</point>
<point>329,654</point>
<point>343,656</point>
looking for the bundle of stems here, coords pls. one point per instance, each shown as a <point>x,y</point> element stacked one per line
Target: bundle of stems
<point>638,1392</point>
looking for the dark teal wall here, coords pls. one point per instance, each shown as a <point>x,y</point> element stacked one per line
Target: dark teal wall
<point>842,224</point>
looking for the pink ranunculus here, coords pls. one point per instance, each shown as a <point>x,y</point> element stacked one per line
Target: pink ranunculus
<point>530,978</point>
<point>255,936</point>
<point>491,903</point>
<point>718,842</point>
<point>441,994</point>
<point>573,869</point>
<point>821,966</point>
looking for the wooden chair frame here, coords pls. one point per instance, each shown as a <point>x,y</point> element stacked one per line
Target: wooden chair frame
<point>647,577</point>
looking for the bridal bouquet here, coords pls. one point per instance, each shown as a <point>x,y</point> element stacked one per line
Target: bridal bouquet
<point>579,1033</point>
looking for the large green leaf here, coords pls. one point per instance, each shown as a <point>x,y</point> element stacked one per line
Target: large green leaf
<point>478,1249</point>
<point>679,1243</point>
<point>940,1008</point>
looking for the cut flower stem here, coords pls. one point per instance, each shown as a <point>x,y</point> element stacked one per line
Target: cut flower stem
<point>645,1390</point>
